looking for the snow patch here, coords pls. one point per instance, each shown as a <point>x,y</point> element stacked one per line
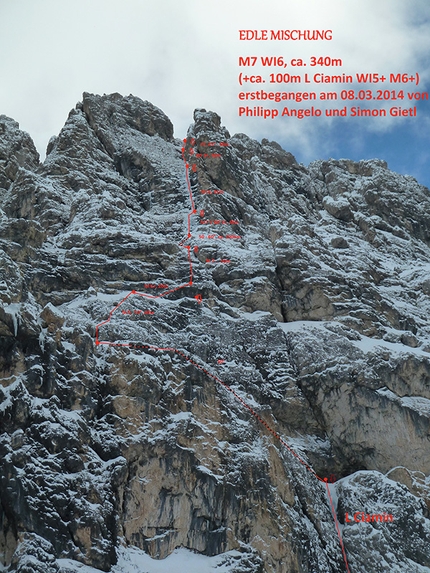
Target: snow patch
<point>133,560</point>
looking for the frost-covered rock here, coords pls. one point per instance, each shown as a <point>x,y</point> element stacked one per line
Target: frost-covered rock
<point>120,443</point>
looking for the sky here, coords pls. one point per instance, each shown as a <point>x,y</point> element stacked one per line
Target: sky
<point>184,54</point>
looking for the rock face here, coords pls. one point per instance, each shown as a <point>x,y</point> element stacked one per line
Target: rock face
<point>140,274</point>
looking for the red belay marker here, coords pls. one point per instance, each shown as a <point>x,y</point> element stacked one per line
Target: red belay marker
<point>165,290</point>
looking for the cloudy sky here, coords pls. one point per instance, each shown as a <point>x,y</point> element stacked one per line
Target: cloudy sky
<point>183,54</point>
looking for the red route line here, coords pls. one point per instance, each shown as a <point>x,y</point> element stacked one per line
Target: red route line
<point>337,527</point>
<point>187,247</point>
<point>226,386</point>
<point>209,374</point>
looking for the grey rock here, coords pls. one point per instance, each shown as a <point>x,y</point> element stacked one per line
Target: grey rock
<point>339,243</point>
<point>17,151</point>
<point>317,318</point>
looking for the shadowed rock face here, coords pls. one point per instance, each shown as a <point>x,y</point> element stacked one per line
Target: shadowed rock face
<point>316,315</point>
<point>16,150</point>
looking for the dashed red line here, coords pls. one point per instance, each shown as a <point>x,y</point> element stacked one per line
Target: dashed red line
<point>200,367</point>
<point>226,386</point>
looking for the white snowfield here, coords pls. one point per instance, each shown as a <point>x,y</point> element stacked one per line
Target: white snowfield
<point>132,560</point>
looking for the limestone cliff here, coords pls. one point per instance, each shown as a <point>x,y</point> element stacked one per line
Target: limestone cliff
<point>150,287</point>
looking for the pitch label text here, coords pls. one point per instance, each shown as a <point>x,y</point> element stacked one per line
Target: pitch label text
<point>361,517</point>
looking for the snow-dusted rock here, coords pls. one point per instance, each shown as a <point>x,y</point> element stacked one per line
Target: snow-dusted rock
<point>314,311</point>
